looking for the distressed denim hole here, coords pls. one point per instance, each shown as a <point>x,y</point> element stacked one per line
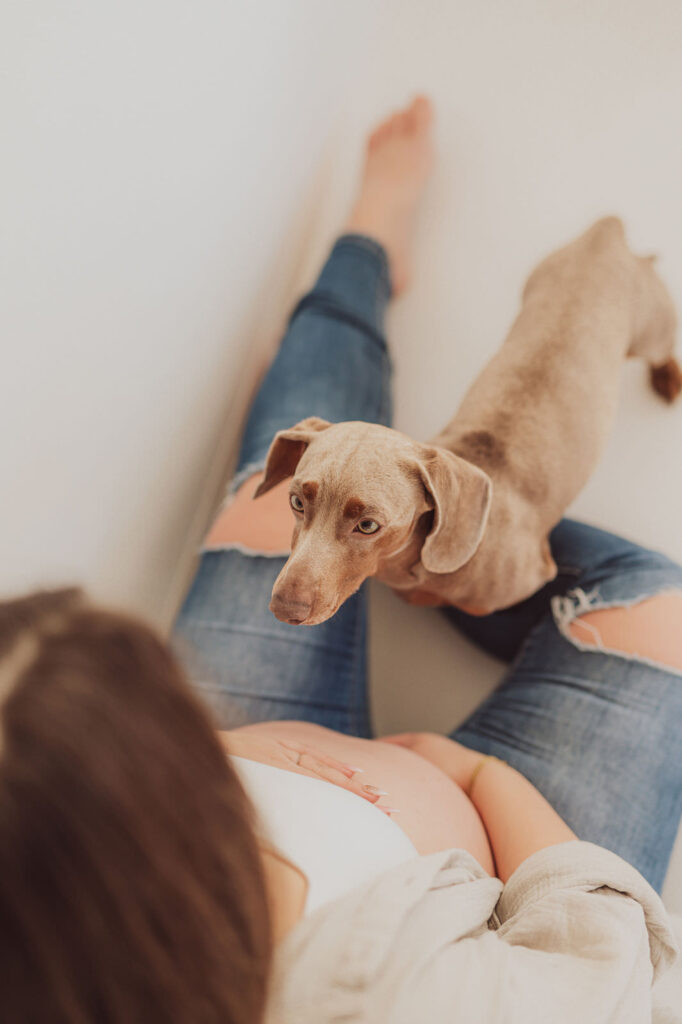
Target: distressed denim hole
<point>647,628</point>
<point>255,527</point>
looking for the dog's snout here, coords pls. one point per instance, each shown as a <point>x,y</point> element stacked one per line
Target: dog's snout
<point>293,610</point>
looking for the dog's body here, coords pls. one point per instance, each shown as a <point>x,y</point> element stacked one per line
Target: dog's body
<point>488,489</point>
<point>537,418</point>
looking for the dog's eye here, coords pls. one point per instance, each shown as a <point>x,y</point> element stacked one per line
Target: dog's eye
<point>367,526</point>
<point>296,503</point>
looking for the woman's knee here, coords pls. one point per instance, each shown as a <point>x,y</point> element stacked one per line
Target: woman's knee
<point>262,527</point>
<point>644,628</point>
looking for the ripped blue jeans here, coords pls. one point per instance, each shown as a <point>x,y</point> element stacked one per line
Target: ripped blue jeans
<point>599,733</point>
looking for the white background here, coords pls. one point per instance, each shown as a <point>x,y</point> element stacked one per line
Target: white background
<point>173,171</point>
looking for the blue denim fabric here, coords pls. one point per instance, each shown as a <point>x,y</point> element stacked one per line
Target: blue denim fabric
<point>249,667</point>
<point>333,361</point>
<point>600,734</point>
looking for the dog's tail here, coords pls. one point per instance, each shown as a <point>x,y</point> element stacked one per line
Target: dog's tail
<point>666,379</point>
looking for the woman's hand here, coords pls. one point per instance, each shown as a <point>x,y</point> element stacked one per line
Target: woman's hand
<point>303,760</point>
<point>457,761</point>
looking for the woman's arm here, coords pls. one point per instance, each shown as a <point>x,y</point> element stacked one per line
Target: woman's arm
<point>581,936</point>
<point>518,819</point>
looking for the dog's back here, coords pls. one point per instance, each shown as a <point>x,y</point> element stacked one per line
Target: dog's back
<point>537,417</point>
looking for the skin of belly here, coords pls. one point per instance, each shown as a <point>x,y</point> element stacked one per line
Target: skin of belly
<point>432,809</point>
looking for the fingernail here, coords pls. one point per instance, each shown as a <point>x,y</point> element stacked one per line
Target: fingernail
<point>375,791</point>
<point>352,769</point>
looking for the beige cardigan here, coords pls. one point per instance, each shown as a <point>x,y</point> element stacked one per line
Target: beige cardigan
<point>576,936</point>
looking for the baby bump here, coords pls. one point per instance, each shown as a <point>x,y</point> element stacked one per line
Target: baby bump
<point>430,808</point>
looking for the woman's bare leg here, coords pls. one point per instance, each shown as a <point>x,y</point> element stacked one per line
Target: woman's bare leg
<point>263,525</point>
<point>651,629</point>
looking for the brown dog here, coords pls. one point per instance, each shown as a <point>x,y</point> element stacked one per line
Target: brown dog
<point>464,520</point>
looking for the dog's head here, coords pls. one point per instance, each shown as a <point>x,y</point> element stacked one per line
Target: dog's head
<point>358,493</point>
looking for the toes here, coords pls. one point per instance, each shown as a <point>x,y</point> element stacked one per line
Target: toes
<point>422,109</point>
<point>419,113</point>
<point>394,123</point>
<point>405,121</point>
<point>383,130</point>
<point>380,133</point>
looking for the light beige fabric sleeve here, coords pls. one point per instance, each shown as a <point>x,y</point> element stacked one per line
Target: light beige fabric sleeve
<point>668,989</point>
<point>581,938</point>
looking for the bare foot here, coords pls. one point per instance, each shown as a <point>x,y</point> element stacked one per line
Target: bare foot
<point>399,159</point>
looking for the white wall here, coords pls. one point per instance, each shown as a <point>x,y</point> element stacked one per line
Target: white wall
<point>160,163</point>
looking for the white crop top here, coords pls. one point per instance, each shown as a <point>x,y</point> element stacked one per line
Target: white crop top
<point>337,839</point>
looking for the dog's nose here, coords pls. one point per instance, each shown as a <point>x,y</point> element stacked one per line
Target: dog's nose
<point>292,611</point>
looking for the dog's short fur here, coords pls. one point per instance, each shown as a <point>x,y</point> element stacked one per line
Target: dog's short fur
<point>464,520</point>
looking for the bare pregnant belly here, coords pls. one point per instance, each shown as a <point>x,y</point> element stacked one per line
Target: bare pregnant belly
<point>432,810</point>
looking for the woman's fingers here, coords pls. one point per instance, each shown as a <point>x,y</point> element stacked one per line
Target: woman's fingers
<point>322,766</point>
<point>312,763</point>
<point>304,760</point>
<point>331,762</point>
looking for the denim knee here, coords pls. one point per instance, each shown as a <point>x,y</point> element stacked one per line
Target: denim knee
<point>590,553</point>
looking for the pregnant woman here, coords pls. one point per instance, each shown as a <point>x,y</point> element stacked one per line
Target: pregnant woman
<point>509,873</point>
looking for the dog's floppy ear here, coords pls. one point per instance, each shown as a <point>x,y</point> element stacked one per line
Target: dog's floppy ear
<point>286,450</point>
<point>461,494</point>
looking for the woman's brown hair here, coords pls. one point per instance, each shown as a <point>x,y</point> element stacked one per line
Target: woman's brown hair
<point>130,883</point>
